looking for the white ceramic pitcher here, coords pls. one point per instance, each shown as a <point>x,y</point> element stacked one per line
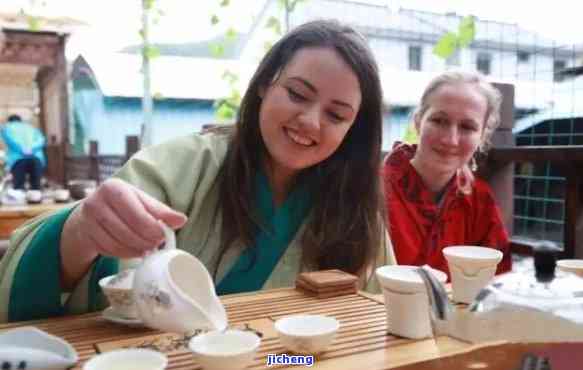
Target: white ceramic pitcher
<point>175,293</point>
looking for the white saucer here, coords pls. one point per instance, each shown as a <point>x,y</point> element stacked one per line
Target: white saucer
<point>109,314</point>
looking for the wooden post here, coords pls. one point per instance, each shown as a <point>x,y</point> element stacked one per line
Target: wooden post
<point>94,160</point>
<point>572,210</point>
<point>132,146</point>
<point>500,175</point>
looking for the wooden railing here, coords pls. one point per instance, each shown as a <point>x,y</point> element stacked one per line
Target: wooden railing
<point>569,160</point>
<point>63,166</point>
<point>498,169</point>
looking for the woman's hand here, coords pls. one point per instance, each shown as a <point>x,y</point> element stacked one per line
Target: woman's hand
<point>116,220</point>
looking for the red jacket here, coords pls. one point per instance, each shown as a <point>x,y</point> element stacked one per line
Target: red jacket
<point>419,229</point>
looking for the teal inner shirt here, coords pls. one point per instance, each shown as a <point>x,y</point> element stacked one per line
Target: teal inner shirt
<point>36,289</point>
<point>254,266</point>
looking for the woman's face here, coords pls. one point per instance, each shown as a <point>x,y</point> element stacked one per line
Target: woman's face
<point>452,128</point>
<point>306,113</point>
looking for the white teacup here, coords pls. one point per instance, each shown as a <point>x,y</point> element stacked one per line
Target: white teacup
<point>175,293</point>
<point>307,334</point>
<point>225,350</point>
<point>122,359</point>
<point>34,196</point>
<point>471,269</point>
<point>571,265</point>
<point>119,292</point>
<point>62,195</point>
<point>406,300</point>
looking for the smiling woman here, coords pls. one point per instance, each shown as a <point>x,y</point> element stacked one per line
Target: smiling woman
<point>432,197</point>
<point>291,187</point>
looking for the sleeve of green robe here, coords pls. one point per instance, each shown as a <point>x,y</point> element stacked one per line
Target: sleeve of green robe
<point>30,285</point>
<point>172,172</point>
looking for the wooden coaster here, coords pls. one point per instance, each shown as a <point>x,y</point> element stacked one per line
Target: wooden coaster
<point>327,278</point>
<point>327,284</point>
<point>352,287</point>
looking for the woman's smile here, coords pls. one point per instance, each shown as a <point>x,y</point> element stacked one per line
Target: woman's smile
<point>298,138</point>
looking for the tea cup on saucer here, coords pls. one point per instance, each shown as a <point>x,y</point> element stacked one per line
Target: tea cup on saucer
<point>118,289</point>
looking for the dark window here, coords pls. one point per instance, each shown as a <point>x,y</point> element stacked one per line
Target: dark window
<point>522,56</point>
<point>558,66</point>
<point>484,63</point>
<point>415,58</point>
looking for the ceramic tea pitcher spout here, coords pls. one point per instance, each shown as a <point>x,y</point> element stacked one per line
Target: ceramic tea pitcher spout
<point>175,293</point>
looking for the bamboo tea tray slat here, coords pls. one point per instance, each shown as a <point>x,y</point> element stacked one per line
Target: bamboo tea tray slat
<point>362,341</point>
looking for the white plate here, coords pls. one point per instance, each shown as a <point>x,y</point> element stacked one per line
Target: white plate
<point>109,314</point>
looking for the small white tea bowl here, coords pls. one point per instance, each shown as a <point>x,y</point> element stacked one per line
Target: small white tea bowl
<point>62,195</point>
<point>307,334</point>
<point>119,292</point>
<point>34,196</point>
<point>225,350</point>
<point>134,358</point>
<point>571,265</point>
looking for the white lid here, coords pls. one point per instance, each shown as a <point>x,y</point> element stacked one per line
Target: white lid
<point>405,278</point>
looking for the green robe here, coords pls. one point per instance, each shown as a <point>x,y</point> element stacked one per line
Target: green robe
<point>181,173</point>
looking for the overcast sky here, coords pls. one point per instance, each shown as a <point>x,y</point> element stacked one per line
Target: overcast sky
<point>115,23</point>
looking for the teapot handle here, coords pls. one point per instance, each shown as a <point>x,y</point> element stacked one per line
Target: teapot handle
<point>169,236</point>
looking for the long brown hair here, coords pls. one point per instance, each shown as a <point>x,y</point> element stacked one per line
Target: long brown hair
<point>346,229</point>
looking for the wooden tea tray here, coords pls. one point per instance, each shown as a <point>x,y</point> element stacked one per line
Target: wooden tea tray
<point>361,343</point>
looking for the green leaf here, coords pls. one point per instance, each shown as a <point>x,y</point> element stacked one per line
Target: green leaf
<point>446,45</point>
<point>231,34</point>
<point>214,19</point>
<point>217,50</point>
<point>293,4</point>
<point>151,52</point>
<point>142,34</point>
<point>467,31</point>
<point>225,3</point>
<point>148,4</point>
<point>34,23</point>
<point>274,24</point>
<point>235,98</point>
<point>225,112</point>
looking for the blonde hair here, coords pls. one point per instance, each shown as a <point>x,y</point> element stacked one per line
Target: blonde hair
<point>454,77</point>
<point>493,98</point>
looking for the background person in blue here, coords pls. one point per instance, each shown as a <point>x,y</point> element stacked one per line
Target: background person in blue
<point>24,152</point>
